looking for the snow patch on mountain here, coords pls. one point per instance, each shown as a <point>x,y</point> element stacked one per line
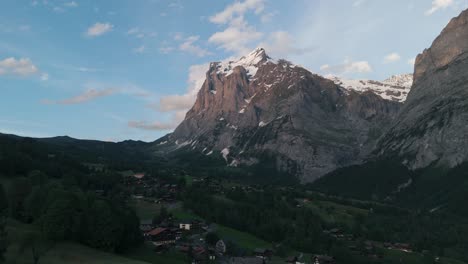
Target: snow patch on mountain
<point>250,63</point>
<point>395,88</point>
<point>225,153</point>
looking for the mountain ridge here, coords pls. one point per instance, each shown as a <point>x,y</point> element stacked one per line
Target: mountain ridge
<point>258,106</point>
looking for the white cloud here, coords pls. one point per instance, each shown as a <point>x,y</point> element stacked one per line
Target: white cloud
<point>412,61</point>
<point>392,57</point>
<point>189,46</point>
<point>237,9</point>
<point>347,67</point>
<point>197,75</point>
<point>99,29</point>
<point>22,67</point>
<point>438,4</point>
<point>239,35</point>
<point>140,49</point>
<point>84,97</point>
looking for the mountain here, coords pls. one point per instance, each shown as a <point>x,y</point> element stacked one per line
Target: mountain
<point>259,110</point>
<point>432,126</point>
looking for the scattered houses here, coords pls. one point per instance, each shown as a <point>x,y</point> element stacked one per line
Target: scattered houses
<point>161,236</point>
<point>322,259</point>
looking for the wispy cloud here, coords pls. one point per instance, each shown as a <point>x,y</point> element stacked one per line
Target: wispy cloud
<point>140,33</point>
<point>99,29</point>
<point>172,123</point>
<point>140,49</point>
<point>392,57</point>
<point>44,77</point>
<point>71,4</point>
<point>84,97</point>
<point>237,9</point>
<point>177,102</point>
<point>151,126</point>
<point>347,67</point>
<point>189,46</point>
<point>282,44</point>
<point>358,3</point>
<point>176,4</point>
<point>437,5</point>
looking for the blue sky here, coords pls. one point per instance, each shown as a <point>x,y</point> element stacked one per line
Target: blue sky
<point>121,69</point>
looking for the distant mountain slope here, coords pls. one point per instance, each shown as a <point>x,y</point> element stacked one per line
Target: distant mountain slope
<point>258,108</point>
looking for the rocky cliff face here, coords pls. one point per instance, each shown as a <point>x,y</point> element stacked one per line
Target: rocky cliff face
<point>257,107</point>
<point>432,126</point>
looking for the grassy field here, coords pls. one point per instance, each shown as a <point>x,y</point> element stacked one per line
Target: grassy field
<point>145,210</point>
<point>243,239</point>
<point>182,214</point>
<point>335,213</point>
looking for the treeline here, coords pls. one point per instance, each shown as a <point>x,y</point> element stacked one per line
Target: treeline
<point>62,210</point>
<point>266,215</point>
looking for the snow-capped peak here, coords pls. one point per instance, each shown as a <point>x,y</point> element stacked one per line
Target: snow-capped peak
<point>251,62</point>
<point>395,88</point>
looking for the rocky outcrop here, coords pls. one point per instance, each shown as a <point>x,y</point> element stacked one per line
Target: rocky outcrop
<point>432,126</point>
<point>257,106</point>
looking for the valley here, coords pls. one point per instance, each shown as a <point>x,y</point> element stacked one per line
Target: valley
<point>261,161</point>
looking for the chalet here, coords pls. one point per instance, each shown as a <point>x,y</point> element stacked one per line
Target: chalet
<point>295,259</point>
<point>161,236</point>
<point>146,225</point>
<point>322,259</point>
<point>263,253</point>
<point>220,247</point>
<point>139,175</point>
<point>186,225</point>
<point>199,253</point>
<point>402,247</point>
<point>211,254</point>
